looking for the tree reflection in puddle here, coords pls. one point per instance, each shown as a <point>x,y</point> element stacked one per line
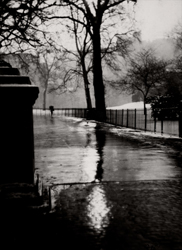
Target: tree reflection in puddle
<point>93,157</point>
<point>88,165</point>
<point>97,210</point>
<point>101,140</point>
<point>91,199</point>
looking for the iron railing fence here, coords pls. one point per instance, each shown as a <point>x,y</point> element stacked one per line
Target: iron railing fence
<point>136,119</point>
<point>74,112</point>
<point>129,118</point>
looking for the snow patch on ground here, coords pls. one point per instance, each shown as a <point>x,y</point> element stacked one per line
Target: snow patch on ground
<point>82,121</point>
<point>122,130</point>
<point>132,105</point>
<point>89,124</point>
<point>74,119</point>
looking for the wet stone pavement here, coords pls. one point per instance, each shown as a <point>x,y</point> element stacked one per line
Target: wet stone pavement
<point>109,189</point>
<point>129,215</point>
<point>74,151</point>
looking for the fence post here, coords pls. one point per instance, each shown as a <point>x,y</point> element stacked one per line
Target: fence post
<point>135,119</point>
<point>145,119</point>
<point>127,119</point>
<point>154,123</point>
<point>161,121</point>
<point>116,117</point>
<point>84,113</point>
<point>180,120</point>
<point>122,118</point>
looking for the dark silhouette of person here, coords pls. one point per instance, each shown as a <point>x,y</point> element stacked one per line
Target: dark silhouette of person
<point>51,108</point>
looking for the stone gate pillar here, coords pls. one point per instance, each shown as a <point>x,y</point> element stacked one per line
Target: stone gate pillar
<point>17,96</point>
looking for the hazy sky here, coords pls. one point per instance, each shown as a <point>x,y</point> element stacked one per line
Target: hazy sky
<point>156,18</point>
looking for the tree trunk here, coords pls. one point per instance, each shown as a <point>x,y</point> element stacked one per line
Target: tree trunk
<point>99,90</point>
<point>145,112</point>
<point>44,98</point>
<point>88,98</point>
<point>86,84</point>
<point>144,104</point>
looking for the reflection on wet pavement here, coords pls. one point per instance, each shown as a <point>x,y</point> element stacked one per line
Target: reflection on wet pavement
<point>101,140</point>
<point>89,199</point>
<point>69,151</point>
<point>112,193</point>
<point>120,215</point>
<point>97,209</point>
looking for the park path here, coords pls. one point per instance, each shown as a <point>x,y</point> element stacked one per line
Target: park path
<point>72,150</point>
<point>108,191</point>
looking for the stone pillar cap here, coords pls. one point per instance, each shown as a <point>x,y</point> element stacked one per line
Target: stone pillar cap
<point>9,71</point>
<point>14,79</point>
<point>4,64</point>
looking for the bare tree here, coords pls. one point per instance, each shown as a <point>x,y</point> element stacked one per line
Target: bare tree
<point>145,73</point>
<point>69,80</point>
<point>49,64</point>
<point>82,56</point>
<point>45,68</point>
<point>93,16</point>
<point>21,22</point>
<point>83,48</point>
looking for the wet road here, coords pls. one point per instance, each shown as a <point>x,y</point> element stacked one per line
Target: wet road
<point>68,150</point>
<point>131,197</point>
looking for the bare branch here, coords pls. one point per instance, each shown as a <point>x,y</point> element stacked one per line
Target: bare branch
<point>145,73</point>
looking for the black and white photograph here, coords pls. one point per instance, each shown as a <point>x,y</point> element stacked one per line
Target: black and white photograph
<point>91,124</point>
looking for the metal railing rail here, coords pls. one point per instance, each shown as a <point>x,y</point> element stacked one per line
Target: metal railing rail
<point>135,119</point>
